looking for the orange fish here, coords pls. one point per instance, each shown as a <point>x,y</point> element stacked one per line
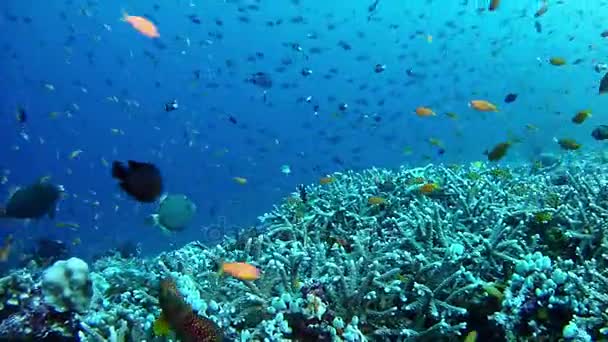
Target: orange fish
<point>424,111</point>
<point>240,270</point>
<point>141,24</point>
<point>326,180</point>
<point>494,5</point>
<point>483,106</point>
<point>428,188</point>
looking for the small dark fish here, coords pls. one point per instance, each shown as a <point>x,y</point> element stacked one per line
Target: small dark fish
<point>171,106</point>
<point>498,151</point>
<point>232,119</point>
<point>195,19</point>
<point>569,144</point>
<point>604,34</point>
<point>600,132</point>
<point>374,5</point>
<point>510,98</point>
<point>542,10</point>
<point>21,115</point>
<point>261,79</point>
<point>33,202</point>
<point>538,27</point>
<point>604,85</point>
<point>142,181</point>
<point>494,5</point>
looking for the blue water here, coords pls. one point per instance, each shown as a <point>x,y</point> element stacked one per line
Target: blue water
<point>480,55</point>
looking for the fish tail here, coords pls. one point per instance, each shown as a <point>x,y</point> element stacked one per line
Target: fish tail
<point>119,171</point>
<point>220,268</point>
<point>2,212</point>
<point>124,15</point>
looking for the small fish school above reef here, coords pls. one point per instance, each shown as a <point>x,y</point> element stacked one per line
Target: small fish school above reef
<point>430,254</point>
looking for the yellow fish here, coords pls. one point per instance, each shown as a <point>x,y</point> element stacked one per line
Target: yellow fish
<point>557,61</point>
<point>71,225</point>
<point>581,116</point>
<point>471,336</point>
<point>435,142</point>
<point>376,200</point>
<point>240,180</point>
<point>75,154</point>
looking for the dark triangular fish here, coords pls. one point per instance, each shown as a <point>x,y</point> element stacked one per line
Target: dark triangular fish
<point>600,132</point>
<point>604,85</point>
<point>142,181</point>
<point>32,202</point>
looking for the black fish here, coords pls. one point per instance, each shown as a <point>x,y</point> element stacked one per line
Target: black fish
<point>21,115</point>
<point>195,19</point>
<point>261,79</point>
<point>510,98</point>
<point>232,119</point>
<point>600,132</point>
<point>142,181</point>
<point>32,202</point>
<point>604,85</point>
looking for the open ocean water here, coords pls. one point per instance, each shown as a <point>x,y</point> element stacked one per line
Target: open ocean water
<point>248,106</point>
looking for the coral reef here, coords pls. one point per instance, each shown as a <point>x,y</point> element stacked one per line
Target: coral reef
<point>510,253</point>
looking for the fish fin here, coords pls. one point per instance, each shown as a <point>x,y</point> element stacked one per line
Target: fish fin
<point>136,165</point>
<point>125,187</point>
<point>161,326</point>
<point>119,170</point>
<point>220,267</point>
<point>164,230</point>
<point>52,212</point>
<point>151,220</point>
<point>124,15</point>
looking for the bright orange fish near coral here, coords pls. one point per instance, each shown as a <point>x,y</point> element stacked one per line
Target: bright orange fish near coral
<point>240,270</point>
<point>141,24</point>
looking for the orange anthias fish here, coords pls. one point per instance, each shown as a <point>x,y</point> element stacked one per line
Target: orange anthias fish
<point>483,106</point>
<point>141,24</point>
<point>240,270</point>
<point>424,111</point>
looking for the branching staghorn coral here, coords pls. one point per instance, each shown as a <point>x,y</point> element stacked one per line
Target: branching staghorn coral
<point>420,254</point>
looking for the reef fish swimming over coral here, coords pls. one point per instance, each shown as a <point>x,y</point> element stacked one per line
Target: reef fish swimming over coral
<point>179,316</point>
<point>142,181</point>
<point>33,201</point>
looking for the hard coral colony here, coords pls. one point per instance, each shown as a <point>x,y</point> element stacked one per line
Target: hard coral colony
<point>511,248</point>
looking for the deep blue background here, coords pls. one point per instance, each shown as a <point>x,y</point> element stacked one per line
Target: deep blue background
<point>474,55</point>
